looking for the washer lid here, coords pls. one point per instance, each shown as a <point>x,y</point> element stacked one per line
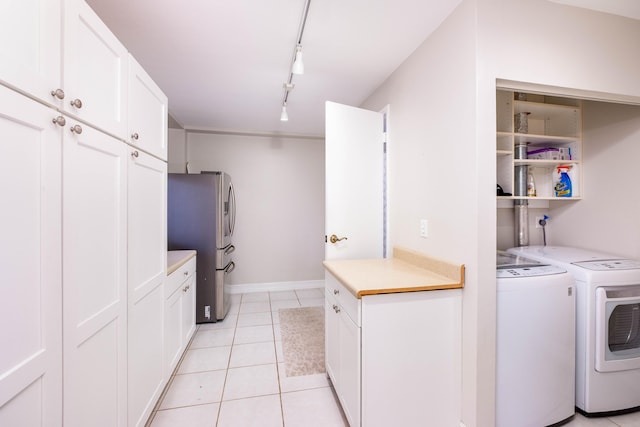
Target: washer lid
<point>607,265</point>
<point>511,265</point>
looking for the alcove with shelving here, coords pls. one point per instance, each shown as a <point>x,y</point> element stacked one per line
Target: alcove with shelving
<point>553,139</point>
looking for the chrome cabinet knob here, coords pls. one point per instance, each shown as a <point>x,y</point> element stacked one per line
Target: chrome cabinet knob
<point>77,129</point>
<point>336,308</point>
<point>60,121</point>
<point>336,292</point>
<point>76,103</point>
<point>58,93</point>
<point>135,136</point>
<point>134,155</point>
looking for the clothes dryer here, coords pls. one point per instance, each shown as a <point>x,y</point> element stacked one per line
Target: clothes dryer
<point>535,343</point>
<point>607,326</point>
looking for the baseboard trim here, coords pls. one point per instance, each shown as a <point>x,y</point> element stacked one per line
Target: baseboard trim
<point>273,287</point>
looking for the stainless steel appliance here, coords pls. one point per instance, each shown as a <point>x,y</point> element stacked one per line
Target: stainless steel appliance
<point>201,216</point>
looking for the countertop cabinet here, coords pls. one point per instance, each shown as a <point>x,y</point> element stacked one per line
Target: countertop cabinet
<point>553,128</point>
<point>180,315</point>
<point>148,113</point>
<point>31,306</point>
<point>342,352</point>
<point>394,358</point>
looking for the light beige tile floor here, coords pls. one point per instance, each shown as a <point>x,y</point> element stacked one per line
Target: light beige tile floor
<point>232,374</point>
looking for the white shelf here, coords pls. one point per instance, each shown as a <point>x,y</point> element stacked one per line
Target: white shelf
<point>554,122</point>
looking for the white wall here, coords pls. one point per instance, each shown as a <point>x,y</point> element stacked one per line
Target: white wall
<point>177,150</point>
<point>607,219</point>
<point>433,166</point>
<point>279,186</point>
<point>442,133</point>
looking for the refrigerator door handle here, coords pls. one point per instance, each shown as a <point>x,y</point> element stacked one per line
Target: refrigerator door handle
<point>232,197</point>
<point>229,268</point>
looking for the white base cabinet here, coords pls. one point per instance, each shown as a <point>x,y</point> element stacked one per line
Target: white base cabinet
<point>395,359</point>
<point>180,314</point>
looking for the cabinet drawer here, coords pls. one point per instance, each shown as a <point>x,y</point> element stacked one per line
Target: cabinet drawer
<point>347,301</point>
<point>175,279</point>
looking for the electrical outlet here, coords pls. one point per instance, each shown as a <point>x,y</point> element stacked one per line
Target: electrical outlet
<point>424,228</point>
<point>538,219</point>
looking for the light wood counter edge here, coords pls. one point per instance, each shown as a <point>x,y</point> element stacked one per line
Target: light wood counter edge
<point>454,272</point>
<point>174,264</point>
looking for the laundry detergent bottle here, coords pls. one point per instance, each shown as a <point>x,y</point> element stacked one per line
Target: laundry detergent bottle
<point>562,185</point>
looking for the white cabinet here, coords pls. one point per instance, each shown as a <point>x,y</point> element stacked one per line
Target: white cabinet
<point>148,113</point>
<point>31,306</point>
<point>30,54</point>
<point>180,317</point>
<point>146,238</point>
<point>394,359</point>
<point>342,342</point>
<point>95,70</point>
<point>552,137</point>
<point>94,278</point>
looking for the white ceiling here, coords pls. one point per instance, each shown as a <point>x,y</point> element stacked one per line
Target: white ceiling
<point>222,63</point>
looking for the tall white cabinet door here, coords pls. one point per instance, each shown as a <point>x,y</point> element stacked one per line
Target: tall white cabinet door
<point>31,51</point>
<point>147,254</point>
<point>95,70</point>
<point>148,113</point>
<point>94,279</point>
<point>31,306</point>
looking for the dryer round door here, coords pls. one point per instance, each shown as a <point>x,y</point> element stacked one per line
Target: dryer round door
<point>617,328</point>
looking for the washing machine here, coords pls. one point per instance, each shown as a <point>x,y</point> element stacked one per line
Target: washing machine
<point>535,343</point>
<point>607,326</point>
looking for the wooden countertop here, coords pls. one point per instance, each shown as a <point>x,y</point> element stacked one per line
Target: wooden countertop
<point>176,259</point>
<point>407,271</point>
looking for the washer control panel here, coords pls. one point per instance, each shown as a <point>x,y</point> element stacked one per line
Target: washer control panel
<point>538,270</point>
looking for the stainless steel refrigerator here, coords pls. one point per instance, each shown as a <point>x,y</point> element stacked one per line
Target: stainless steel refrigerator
<point>201,215</point>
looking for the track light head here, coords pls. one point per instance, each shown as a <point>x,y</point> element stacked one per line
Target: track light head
<point>284,117</point>
<point>298,65</point>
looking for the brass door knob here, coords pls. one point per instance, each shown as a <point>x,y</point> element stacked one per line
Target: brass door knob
<point>333,238</point>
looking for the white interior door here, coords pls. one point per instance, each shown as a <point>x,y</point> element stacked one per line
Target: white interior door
<point>354,162</point>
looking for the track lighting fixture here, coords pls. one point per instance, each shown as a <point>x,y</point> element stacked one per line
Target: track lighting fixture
<point>298,65</point>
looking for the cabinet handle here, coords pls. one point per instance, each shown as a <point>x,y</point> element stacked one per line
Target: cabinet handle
<point>135,154</point>
<point>186,273</point>
<point>76,103</point>
<point>186,288</point>
<point>336,292</point>
<point>60,121</point>
<point>58,93</point>
<point>77,129</point>
<point>135,136</point>
<point>336,308</point>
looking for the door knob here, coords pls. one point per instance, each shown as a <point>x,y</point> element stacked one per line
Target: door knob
<point>333,238</point>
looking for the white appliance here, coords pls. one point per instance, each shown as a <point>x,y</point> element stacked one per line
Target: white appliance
<point>535,343</point>
<point>607,326</point>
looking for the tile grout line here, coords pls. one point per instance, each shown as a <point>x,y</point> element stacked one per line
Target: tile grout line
<point>226,374</point>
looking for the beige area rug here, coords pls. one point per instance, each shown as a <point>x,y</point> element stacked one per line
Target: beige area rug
<point>302,340</point>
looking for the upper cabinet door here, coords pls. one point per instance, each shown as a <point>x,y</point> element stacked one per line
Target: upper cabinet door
<point>147,112</point>
<point>95,70</point>
<point>30,54</point>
